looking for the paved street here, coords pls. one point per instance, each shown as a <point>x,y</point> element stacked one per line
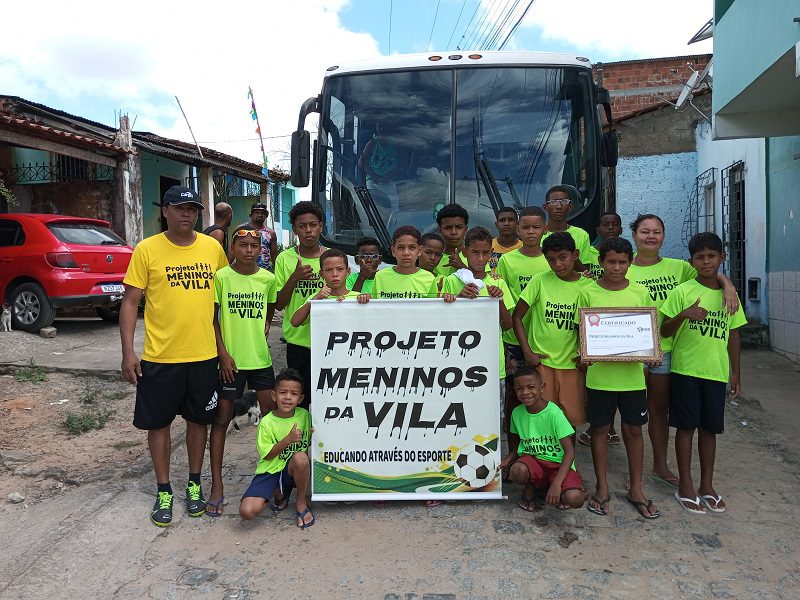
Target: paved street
<point>96,539</point>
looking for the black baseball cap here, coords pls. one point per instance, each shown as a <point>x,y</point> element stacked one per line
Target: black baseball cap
<point>178,194</point>
<point>259,206</point>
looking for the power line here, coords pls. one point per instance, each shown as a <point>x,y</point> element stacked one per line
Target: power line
<point>477,30</point>
<point>435,15</point>
<point>390,27</point>
<point>447,47</point>
<point>472,18</point>
<point>514,28</point>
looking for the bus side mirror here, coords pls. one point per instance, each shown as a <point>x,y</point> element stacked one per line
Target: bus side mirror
<point>301,158</point>
<point>610,153</point>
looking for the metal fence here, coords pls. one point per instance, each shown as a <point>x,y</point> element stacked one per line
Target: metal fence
<point>64,169</point>
<point>733,224</point>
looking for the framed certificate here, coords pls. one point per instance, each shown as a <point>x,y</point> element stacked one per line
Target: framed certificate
<point>620,334</point>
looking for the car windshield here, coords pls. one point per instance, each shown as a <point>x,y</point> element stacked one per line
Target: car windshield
<point>88,234</point>
<point>397,146</point>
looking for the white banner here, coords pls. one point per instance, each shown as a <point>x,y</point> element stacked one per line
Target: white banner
<point>405,399</point>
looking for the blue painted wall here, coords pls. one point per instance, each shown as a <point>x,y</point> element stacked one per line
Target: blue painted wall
<point>660,185</point>
<point>153,168</point>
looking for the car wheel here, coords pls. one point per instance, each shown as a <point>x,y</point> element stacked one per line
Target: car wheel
<point>31,308</point>
<point>109,314</point>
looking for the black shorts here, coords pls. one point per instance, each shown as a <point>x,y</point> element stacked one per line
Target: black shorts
<point>696,402</point>
<point>513,352</point>
<point>299,357</point>
<point>166,390</point>
<point>255,379</point>
<point>632,406</point>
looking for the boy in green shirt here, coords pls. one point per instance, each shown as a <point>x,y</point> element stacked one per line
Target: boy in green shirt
<point>612,386</point>
<point>507,224</point>
<point>516,268</point>
<point>705,355</point>
<point>284,436</point>
<point>548,342</point>
<point>368,259</point>
<point>541,451</point>
<point>557,205</point>
<point>405,279</point>
<point>432,252</point>
<point>334,270</point>
<point>452,220</point>
<point>244,302</point>
<point>297,278</point>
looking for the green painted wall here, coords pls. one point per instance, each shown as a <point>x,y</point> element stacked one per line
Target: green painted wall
<point>749,37</point>
<point>783,173</point>
<point>153,168</point>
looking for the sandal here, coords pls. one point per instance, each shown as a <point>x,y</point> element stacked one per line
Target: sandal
<point>217,507</point>
<point>432,503</point>
<point>278,505</point>
<point>602,504</point>
<point>585,438</point>
<point>715,507</point>
<point>700,510</point>
<point>529,505</point>
<point>614,439</point>
<point>670,481</point>
<point>642,506</point>
<point>301,516</point>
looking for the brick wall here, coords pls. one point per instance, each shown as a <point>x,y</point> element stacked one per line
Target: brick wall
<point>640,84</point>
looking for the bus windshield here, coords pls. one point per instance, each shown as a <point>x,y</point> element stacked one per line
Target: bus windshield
<point>394,147</point>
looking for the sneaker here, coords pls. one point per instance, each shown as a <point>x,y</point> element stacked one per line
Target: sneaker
<point>161,515</point>
<point>195,503</point>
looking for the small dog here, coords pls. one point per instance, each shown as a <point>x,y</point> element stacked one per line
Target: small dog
<point>246,405</point>
<point>6,318</point>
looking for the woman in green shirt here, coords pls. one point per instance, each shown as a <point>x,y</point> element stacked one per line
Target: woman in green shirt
<point>660,275</point>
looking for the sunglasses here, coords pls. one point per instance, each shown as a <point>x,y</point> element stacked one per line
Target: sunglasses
<point>558,202</point>
<point>246,232</point>
<point>369,256</point>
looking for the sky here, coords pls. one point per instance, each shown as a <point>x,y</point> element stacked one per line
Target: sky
<point>100,61</point>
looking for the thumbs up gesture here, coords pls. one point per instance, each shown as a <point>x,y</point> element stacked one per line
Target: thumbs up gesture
<point>695,312</point>
<point>295,435</point>
<point>302,271</point>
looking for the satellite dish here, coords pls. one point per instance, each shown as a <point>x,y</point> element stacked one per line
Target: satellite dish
<point>706,75</point>
<point>688,88</point>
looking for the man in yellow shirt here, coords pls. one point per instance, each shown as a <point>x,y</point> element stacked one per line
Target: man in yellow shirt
<point>177,373</point>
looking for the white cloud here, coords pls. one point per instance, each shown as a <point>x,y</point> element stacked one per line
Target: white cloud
<point>623,29</point>
<point>206,53</point>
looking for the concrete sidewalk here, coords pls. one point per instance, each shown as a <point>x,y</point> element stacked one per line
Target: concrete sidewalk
<point>96,540</point>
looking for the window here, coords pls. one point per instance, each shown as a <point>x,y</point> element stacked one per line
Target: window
<point>11,233</point>
<point>86,234</point>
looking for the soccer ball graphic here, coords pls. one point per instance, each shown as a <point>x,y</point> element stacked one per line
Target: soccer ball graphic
<point>475,466</point>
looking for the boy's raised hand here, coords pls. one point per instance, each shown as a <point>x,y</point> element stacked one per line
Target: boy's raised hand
<point>363,298</point>
<point>469,291</point>
<point>494,291</point>
<point>456,262</point>
<point>695,312</point>
<point>227,368</point>
<point>323,293</point>
<point>302,271</point>
<point>295,435</point>
<point>448,298</point>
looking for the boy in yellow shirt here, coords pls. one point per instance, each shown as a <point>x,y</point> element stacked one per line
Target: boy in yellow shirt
<point>506,240</point>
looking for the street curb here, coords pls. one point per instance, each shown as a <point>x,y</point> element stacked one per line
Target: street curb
<point>11,368</point>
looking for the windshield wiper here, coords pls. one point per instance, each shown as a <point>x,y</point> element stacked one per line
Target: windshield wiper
<point>373,216</point>
<point>110,243</point>
<point>484,173</point>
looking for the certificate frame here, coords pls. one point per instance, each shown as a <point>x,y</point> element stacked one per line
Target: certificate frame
<point>594,317</point>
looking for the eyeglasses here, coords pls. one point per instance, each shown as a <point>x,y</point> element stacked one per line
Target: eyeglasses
<point>369,256</point>
<point>563,202</point>
<point>246,232</point>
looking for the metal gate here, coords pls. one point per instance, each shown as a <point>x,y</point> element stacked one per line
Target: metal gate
<point>733,224</point>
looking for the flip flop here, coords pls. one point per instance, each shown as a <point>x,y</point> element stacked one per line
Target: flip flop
<point>432,503</point>
<point>598,511</point>
<point>528,505</point>
<point>279,505</point>
<point>216,505</point>
<point>301,515</point>
<point>696,501</point>
<point>640,506</point>
<point>614,439</point>
<point>672,482</point>
<point>708,499</point>
<point>584,438</point>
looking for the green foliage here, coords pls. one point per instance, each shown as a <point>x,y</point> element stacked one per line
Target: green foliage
<point>32,373</point>
<point>77,423</point>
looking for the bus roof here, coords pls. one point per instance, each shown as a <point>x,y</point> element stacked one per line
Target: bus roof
<point>448,59</point>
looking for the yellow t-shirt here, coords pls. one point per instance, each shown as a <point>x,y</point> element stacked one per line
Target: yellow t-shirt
<point>498,250</point>
<point>178,283</point>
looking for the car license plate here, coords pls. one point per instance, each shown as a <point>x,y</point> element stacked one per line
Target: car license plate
<point>112,287</point>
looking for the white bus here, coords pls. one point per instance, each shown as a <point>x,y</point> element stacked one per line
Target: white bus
<point>401,136</point>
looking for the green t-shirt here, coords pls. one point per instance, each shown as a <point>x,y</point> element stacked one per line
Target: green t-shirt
<point>614,376</point>
<point>516,270</point>
<point>271,430</point>
<point>453,285</point>
<point>350,295</point>
<point>445,270</point>
<point>242,301</point>
<point>552,303</point>
<point>701,349</point>
<point>660,279</point>
<point>540,434</point>
<point>391,284</point>
<point>366,288</point>
<point>592,262</point>
<point>285,265</point>
<point>582,242</point>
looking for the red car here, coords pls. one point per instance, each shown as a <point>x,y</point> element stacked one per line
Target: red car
<point>53,261</point>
